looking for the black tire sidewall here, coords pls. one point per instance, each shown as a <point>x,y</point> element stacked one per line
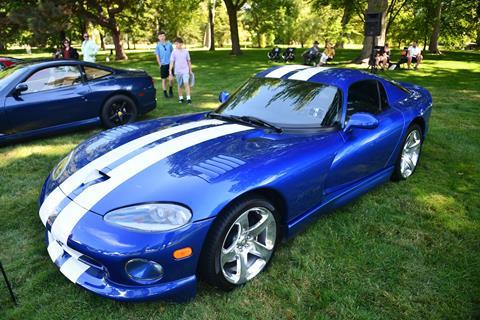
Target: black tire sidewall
<point>397,175</point>
<point>104,116</point>
<point>210,268</point>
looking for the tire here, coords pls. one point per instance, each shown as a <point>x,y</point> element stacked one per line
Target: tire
<point>233,253</point>
<point>118,110</point>
<point>409,154</point>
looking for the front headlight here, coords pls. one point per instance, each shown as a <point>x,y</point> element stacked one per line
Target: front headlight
<point>150,217</point>
<point>61,166</point>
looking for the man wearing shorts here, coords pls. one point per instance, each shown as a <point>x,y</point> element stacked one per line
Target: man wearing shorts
<point>163,52</point>
<point>181,63</point>
<point>414,54</point>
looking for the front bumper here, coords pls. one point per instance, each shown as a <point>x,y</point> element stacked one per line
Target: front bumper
<point>95,254</point>
<point>93,279</point>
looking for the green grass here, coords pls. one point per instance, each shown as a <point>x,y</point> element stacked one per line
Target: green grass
<point>407,250</point>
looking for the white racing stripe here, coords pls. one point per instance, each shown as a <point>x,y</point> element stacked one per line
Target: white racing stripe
<point>71,183</point>
<point>55,251</point>
<point>307,73</point>
<point>280,72</point>
<point>69,217</point>
<point>73,269</point>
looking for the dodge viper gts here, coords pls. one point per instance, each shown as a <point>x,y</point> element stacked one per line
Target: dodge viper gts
<point>51,96</point>
<point>140,211</point>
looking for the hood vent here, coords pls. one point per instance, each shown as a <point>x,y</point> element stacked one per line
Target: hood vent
<point>215,167</point>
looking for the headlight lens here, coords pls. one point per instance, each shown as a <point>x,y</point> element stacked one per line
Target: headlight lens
<point>61,166</point>
<point>150,217</point>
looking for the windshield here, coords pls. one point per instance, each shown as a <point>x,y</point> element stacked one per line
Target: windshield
<point>7,74</point>
<point>286,103</point>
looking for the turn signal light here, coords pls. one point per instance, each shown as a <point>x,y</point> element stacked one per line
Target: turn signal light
<point>182,253</point>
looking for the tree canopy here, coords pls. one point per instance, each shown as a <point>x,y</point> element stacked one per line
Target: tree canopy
<point>258,23</point>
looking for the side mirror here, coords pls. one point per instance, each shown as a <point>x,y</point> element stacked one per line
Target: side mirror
<point>361,120</point>
<point>224,96</point>
<point>21,87</point>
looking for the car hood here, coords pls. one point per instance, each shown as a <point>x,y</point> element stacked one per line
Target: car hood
<point>191,161</point>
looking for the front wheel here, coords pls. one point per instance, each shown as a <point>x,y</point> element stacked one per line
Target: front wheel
<point>118,110</point>
<point>410,154</point>
<point>240,244</point>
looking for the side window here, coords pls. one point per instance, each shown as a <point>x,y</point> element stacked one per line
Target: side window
<point>53,77</point>
<point>95,73</point>
<point>383,97</point>
<point>332,117</point>
<point>363,97</point>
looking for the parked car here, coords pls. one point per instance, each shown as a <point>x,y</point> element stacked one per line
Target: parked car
<point>51,96</point>
<point>139,211</point>
<point>6,62</point>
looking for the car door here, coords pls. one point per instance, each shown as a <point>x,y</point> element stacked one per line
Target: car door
<point>55,95</point>
<point>365,151</point>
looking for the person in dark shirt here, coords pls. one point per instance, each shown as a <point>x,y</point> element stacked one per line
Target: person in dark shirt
<point>67,51</point>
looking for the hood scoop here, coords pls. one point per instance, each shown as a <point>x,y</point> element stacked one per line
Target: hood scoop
<point>213,168</point>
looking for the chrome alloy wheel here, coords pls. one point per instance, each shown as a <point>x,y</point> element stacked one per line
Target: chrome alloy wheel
<point>410,153</point>
<point>248,245</point>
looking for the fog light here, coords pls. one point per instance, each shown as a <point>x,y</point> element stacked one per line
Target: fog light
<point>144,271</point>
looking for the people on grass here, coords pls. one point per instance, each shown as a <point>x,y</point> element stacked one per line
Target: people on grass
<point>163,52</point>
<point>414,54</point>
<point>89,48</point>
<point>383,57</point>
<point>311,55</point>
<point>327,55</point>
<point>181,64</point>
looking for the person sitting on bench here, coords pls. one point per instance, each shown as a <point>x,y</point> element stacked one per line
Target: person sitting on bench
<point>414,55</point>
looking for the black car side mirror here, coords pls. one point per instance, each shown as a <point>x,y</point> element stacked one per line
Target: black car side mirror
<point>21,87</point>
<point>223,96</point>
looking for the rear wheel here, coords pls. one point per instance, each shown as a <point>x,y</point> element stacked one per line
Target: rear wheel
<point>410,154</point>
<point>240,244</point>
<point>118,110</point>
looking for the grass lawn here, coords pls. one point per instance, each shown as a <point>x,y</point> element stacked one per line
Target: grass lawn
<point>408,250</point>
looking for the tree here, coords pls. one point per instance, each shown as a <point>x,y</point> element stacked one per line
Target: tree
<point>212,4</point>
<point>233,6</point>
<point>433,44</point>
<point>107,14</point>
<point>380,6</point>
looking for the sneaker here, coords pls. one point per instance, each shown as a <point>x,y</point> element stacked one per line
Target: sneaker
<point>180,100</point>
<point>189,101</point>
<point>170,93</point>
<point>165,94</point>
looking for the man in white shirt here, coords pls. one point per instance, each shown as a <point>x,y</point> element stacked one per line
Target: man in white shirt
<point>414,54</point>
<point>89,48</point>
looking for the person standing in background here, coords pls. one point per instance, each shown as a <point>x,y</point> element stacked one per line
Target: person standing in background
<point>163,52</point>
<point>89,48</point>
<point>181,63</point>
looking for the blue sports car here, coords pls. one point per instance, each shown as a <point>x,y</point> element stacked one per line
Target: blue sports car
<point>51,96</point>
<point>139,211</point>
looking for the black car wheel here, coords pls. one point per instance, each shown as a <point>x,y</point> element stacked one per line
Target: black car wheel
<point>118,110</point>
<point>240,244</point>
<point>409,155</point>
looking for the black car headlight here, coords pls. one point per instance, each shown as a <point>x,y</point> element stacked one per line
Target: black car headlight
<point>150,217</point>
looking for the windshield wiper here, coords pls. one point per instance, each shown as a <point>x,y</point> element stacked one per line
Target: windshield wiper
<point>260,122</point>
<point>245,119</point>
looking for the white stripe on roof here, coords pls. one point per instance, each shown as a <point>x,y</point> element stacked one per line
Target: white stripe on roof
<point>280,72</point>
<point>307,73</point>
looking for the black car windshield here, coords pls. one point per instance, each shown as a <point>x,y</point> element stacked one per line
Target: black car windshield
<point>285,103</point>
<point>9,73</point>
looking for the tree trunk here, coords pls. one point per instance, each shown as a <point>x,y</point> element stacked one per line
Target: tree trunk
<point>117,42</point>
<point>102,40</point>
<point>433,44</point>
<point>233,20</point>
<point>347,10</point>
<point>211,23</point>
<point>368,42</point>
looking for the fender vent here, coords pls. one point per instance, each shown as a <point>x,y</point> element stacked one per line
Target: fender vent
<point>215,167</point>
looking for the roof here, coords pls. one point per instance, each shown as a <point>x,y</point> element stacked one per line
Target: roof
<point>338,77</point>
